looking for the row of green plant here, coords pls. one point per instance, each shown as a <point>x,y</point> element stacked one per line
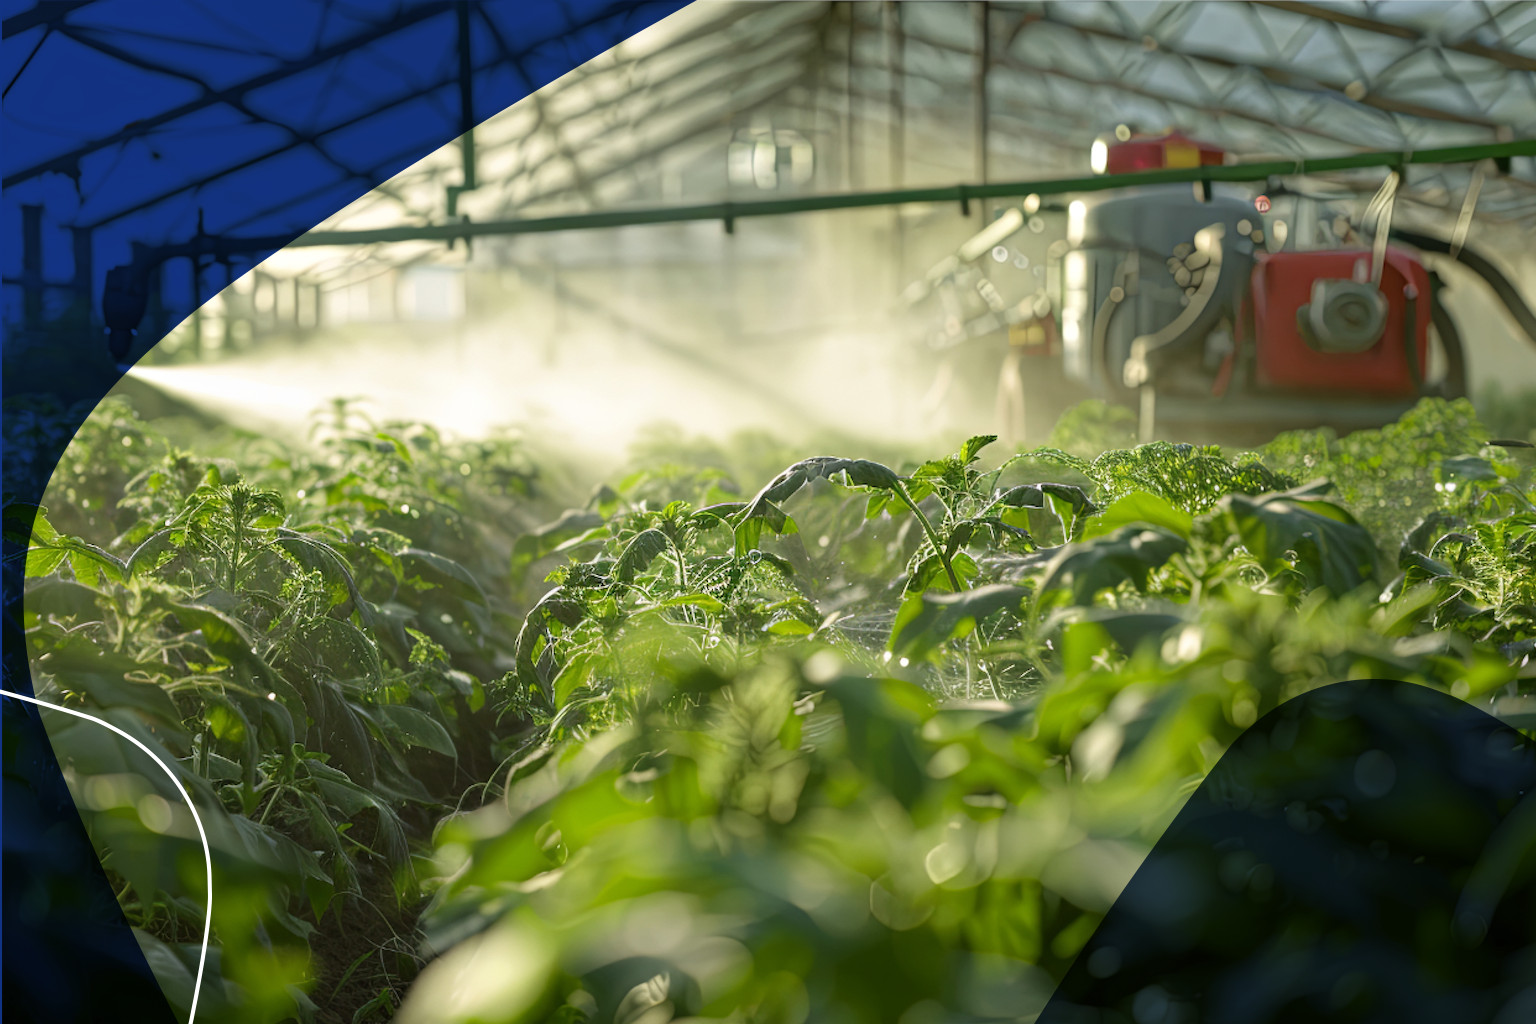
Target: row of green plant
<point>310,635</point>
<point>709,745</point>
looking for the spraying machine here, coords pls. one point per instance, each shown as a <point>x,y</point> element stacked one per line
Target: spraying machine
<point>1211,307</point>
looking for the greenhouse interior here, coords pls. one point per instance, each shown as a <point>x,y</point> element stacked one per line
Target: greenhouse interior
<point>822,513</point>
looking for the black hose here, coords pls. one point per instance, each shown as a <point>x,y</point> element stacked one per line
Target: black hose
<point>1411,340</point>
<point>1455,383</point>
<point>1502,288</point>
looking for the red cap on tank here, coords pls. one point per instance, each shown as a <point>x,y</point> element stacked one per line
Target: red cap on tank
<point>1151,153</point>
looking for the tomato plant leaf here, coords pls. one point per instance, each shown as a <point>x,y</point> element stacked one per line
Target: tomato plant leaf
<point>1081,570</point>
<point>927,620</point>
<point>1331,548</point>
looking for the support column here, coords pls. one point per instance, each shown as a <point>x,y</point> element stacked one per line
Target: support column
<point>983,114</point>
<point>195,324</point>
<point>850,136</point>
<point>85,273</point>
<point>32,265</point>
<point>228,304</point>
<point>896,44</point>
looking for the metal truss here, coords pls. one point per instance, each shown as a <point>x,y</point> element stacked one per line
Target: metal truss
<point>951,85</point>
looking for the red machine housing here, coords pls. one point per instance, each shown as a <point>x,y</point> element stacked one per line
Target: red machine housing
<point>1143,153</point>
<point>1284,361</point>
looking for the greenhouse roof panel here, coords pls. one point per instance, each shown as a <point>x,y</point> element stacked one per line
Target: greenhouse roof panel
<point>1263,79</point>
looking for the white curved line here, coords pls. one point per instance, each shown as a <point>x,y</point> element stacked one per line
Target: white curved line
<point>202,956</point>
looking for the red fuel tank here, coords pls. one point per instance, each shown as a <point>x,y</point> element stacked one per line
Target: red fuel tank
<point>1287,359</point>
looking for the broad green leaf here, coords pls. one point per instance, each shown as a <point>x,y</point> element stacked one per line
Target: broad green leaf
<point>559,607</point>
<point>573,675</point>
<point>445,572</point>
<point>1139,508</point>
<point>545,540</point>
<point>1332,549</point>
<point>91,565</point>
<point>397,446</point>
<point>971,450</point>
<point>764,507</point>
<point>1070,505</point>
<point>703,602</point>
<point>881,718</point>
<point>1126,630</point>
<point>1406,611</point>
<point>750,524</point>
<point>342,649</point>
<point>43,560</point>
<point>1022,496</point>
<point>103,677</point>
<point>454,989</point>
<point>153,552</point>
<point>314,554</point>
<point>227,722</point>
<point>26,523</point>
<point>223,635</point>
<point>417,728</point>
<point>1466,468</point>
<point>789,627</point>
<point>638,554</point>
<point>1080,570</point>
<point>63,599</point>
<point>925,621</point>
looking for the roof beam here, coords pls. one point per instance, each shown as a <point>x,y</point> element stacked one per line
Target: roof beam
<point>701,39</point>
<point>1015,64</point>
<point>67,163</point>
<point>1509,59</point>
<point>291,144</point>
<point>691,131</point>
<point>89,39</point>
<point>551,128</point>
<point>49,14</point>
<point>1290,79</point>
<point>702,81</point>
<point>707,120</point>
<point>313,140</point>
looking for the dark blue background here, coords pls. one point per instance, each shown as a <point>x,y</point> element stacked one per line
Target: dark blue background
<point>143,122</point>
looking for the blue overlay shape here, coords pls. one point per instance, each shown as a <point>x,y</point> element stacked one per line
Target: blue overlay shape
<point>137,123</point>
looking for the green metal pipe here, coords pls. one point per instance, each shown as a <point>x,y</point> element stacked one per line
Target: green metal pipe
<point>730,212</point>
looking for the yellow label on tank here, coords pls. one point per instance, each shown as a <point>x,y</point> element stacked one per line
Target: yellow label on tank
<point>1179,155</point>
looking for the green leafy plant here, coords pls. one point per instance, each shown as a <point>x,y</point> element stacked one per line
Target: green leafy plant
<point>692,744</point>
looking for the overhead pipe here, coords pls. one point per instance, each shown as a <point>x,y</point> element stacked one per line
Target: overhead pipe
<point>1240,172</point>
<point>730,212</point>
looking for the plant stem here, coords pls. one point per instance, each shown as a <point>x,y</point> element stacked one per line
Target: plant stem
<point>270,804</point>
<point>203,742</point>
<point>234,560</point>
<point>933,535</point>
<point>682,563</point>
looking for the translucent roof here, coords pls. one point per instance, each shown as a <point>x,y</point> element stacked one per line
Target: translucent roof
<point>232,96</point>
<point>1259,79</point>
